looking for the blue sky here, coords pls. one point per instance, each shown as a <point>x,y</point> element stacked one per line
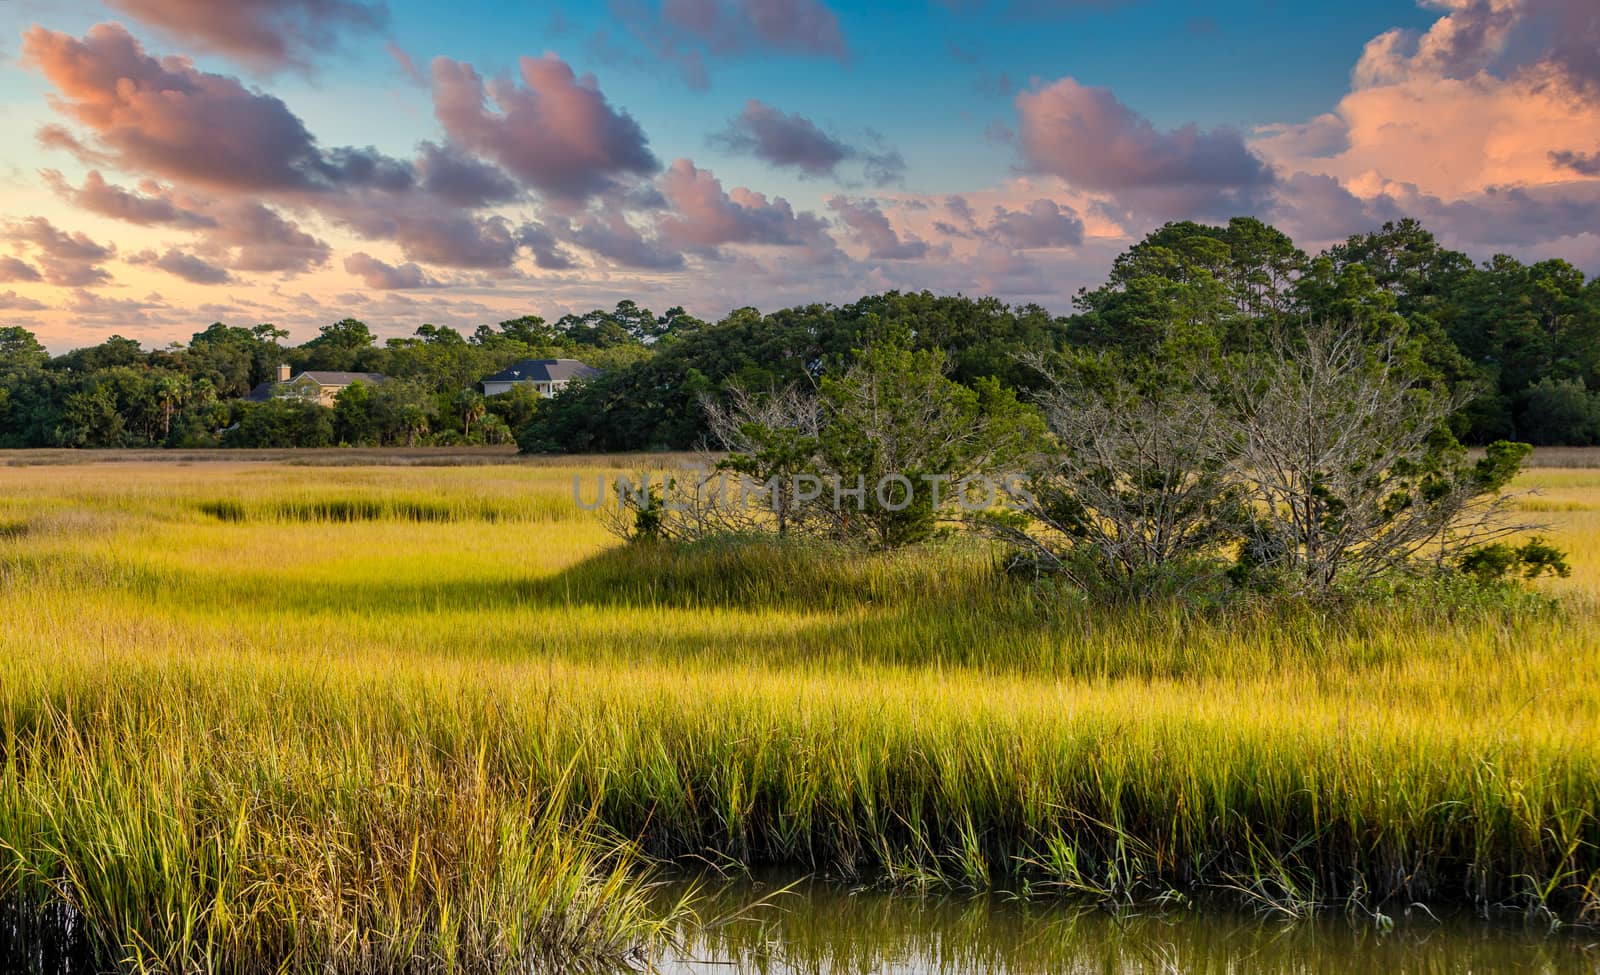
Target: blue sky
<point>293,163</point>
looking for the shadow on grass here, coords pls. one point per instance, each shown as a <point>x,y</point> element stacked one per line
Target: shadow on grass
<point>771,604</point>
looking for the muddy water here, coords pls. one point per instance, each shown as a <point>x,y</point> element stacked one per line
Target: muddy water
<point>821,929</point>
<point>817,928</point>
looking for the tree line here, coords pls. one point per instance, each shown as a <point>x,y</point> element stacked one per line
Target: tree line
<point>1518,345</point>
<point>1320,465</point>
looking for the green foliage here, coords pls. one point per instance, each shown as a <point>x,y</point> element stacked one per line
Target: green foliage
<point>1560,411</point>
<point>895,414</point>
<point>281,423</point>
<point>1529,560</point>
<point>1518,343</point>
<point>20,350</point>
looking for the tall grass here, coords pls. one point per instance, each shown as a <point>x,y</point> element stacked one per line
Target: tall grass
<point>181,842</point>
<point>434,744</point>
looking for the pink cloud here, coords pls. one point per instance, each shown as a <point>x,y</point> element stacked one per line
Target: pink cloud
<point>725,26</point>
<point>98,196</point>
<point>12,269</point>
<point>705,216</point>
<point>555,132</point>
<point>794,141</point>
<point>190,268</point>
<point>265,34</point>
<point>684,32</point>
<point>870,228</point>
<point>66,259</point>
<point>169,119</point>
<point>11,301</point>
<point>1093,141</point>
<point>380,276</point>
<point>250,236</point>
<point>1479,126</point>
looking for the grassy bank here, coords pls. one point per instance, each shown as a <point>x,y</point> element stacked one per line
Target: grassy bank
<point>415,716</point>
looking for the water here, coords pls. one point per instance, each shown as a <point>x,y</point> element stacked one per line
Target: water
<point>827,929</point>
<point>822,929</point>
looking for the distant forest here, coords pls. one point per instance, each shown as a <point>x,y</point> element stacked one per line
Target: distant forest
<point>1521,342</point>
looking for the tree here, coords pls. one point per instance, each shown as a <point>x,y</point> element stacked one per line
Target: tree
<point>234,360</point>
<point>171,390</point>
<point>515,408</point>
<point>1559,411</point>
<point>339,347</point>
<point>281,423</point>
<point>20,350</point>
<point>354,422</point>
<point>1137,483</point>
<point>774,441</point>
<point>470,406</point>
<point>897,427</point>
<point>1350,466</point>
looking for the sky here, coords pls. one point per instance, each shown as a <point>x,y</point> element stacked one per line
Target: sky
<point>170,163</point>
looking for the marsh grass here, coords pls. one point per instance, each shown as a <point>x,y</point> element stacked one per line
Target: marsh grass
<point>392,743</point>
<point>260,856</point>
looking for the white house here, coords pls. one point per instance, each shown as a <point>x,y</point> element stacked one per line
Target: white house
<point>547,376</point>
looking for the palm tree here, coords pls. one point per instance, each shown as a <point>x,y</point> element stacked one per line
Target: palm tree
<point>170,390</point>
<point>473,408</point>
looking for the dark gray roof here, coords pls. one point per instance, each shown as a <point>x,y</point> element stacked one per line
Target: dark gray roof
<point>343,378</point>
<point>261,393</point>
<point>542,371</point>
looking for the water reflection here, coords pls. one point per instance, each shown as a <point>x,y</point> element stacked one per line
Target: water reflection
<point>827,929</point>
<point>823,929</point>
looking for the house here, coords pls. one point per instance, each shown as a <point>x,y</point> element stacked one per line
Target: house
<point>547,376</point>
<point>313,387</point>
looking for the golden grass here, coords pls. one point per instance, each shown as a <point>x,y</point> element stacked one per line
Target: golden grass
<point>440,703</point>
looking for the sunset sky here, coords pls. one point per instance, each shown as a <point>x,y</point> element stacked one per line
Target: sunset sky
<point>169,163</point>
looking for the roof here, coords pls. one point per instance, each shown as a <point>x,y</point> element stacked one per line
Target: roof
<point>263,391</point>
<point>341,378</point>
<point>542,371</point>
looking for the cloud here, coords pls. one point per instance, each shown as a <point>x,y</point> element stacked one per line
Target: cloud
<point>1546,40</point>
<point>11,301</point>
<point>1574,30</point>
<point>403,61</point>
<point>186,266</point>
<point>1469,126</point>
<point>870,228</point>
<point>67,259</point>
<point>1032,9</point>
<point>265,34</point>
<point>1089,138</point>
<point>607,231</point>
<point>250,236</point>
<point>1582,163</point>
<point>684,32</point>
<point>794,141</point>
<point>90,308</point>
<point>433,234</point>
<point>1318,209</point>
<point>556,132</point>
<point>167,118</point>
<point>547,251</point>
<point>463,180</point>
<point>731,26</point>
<point>1043,223</point>
<point>380,276</point>
<point>248,154</point>
<point>1459,45</point>
<point>98,196</point>
<point>705,217</point>
<point>12,269</point>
